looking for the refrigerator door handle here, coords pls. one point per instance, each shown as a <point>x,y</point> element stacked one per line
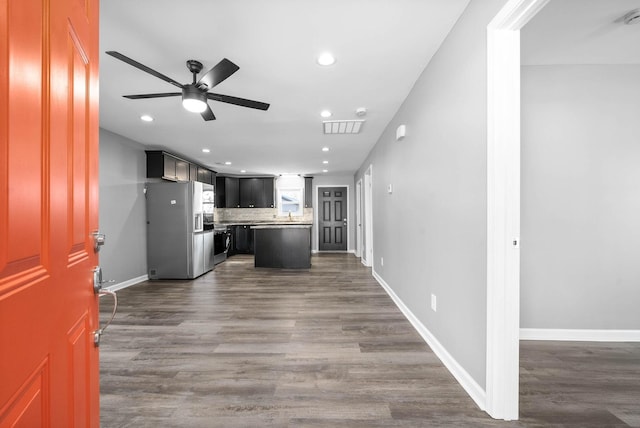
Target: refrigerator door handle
<point>197,222</point>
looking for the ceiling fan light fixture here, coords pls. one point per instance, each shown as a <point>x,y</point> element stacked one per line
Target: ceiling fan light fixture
<point>193,99</point>
<point>632,17</point>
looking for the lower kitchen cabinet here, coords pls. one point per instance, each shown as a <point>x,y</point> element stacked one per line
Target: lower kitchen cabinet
<point>243,239</point>
<point>285,247</point>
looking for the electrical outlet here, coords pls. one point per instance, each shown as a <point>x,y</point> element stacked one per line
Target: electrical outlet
<point>434,305</point>
<point>381,261</point>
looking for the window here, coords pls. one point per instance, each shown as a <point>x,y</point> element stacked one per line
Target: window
<point>290,201</point>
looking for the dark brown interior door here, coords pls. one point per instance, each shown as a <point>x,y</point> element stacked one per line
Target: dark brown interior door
<point>332,223</point>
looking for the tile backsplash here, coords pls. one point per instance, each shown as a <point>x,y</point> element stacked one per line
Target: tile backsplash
<point>257,214</point>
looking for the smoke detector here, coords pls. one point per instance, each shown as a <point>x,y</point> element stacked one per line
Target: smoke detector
<point>361,112</point>
<point>632,17</point>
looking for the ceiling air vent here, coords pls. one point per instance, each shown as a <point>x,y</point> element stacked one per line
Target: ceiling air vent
<point>342,126</point>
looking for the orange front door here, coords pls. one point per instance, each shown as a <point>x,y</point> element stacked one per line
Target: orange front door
<point>48,211</point>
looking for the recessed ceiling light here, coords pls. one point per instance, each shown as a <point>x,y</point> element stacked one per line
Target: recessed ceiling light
<point>206,151</point>
<point>325,113</point>
<point>325,149</point>
<point>243,171</point>
<point>227,163</point>
<point>325,170</point>
<point>146,118</point>
<point>325,162</point>
<point>326,58</point>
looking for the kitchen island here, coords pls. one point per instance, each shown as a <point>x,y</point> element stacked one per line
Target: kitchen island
<point>285,246</point>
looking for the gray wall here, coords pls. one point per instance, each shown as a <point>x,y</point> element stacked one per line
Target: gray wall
<point>431,230</point>
<point>122,207</point>
<point>336,180</point>
<point>580,248</point>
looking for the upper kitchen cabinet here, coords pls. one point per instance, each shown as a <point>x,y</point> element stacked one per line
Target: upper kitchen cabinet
<point>220,193</point>
<point>268,193</point>
<point>164,165</point>
<point>256,193</point>
<point>308,192</point>
<point>231,192</point>
<point>205,175</point>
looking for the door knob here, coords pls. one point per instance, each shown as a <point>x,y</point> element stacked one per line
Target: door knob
<point>98,240</point>
<point>97,280</point>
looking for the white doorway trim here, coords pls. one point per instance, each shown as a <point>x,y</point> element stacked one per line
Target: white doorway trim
<point>503,206</point>
<point>367,255</point>
<point>359,218</point>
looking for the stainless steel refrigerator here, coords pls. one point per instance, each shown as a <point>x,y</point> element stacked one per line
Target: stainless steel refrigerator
<point>178,246</point>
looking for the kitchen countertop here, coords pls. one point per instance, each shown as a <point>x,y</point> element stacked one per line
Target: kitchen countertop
<point>282,226</point>
<point>265,223</point>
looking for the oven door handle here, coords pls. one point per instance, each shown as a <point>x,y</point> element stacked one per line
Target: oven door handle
<point>227,242</point>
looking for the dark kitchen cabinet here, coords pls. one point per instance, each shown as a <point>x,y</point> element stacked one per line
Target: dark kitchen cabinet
<point>256,192</point>
<point>308,192</point>
<point>205,175</point>
<point>232,192</point>
<point>193,172</point>
<point>243,239</point>
<point>268,193</point>
<point>247,192</point>
<point>164,165</point>
<point>220,193</point>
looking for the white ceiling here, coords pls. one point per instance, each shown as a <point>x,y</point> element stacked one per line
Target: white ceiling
<point>381,46</point>
<point>582,32</point>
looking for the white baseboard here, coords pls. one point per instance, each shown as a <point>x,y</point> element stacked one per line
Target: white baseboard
<point>472,388</point>
<point>127,283</point>
<point>580,335</point>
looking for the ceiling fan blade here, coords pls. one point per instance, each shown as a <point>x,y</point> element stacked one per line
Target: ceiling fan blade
<point>217,74</point>
<point>162,95</point>
<point>208,114</point>
<point>143,67</point>
<point>238,101</point>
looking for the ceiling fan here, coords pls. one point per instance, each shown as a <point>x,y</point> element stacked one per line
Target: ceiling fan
<point>195,94</point>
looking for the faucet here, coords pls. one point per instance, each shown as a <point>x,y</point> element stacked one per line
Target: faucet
<point>290,218</point>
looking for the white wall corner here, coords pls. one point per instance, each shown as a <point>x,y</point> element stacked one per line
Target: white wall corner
<point>467,382</point>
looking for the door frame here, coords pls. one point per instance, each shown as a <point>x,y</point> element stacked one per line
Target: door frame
<point>359,218</point>
<point>367,255</point>
<point>503,206</point>
<point>316,223</point>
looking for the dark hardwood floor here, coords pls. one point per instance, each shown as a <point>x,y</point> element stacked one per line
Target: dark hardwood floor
<point>245,347</point>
